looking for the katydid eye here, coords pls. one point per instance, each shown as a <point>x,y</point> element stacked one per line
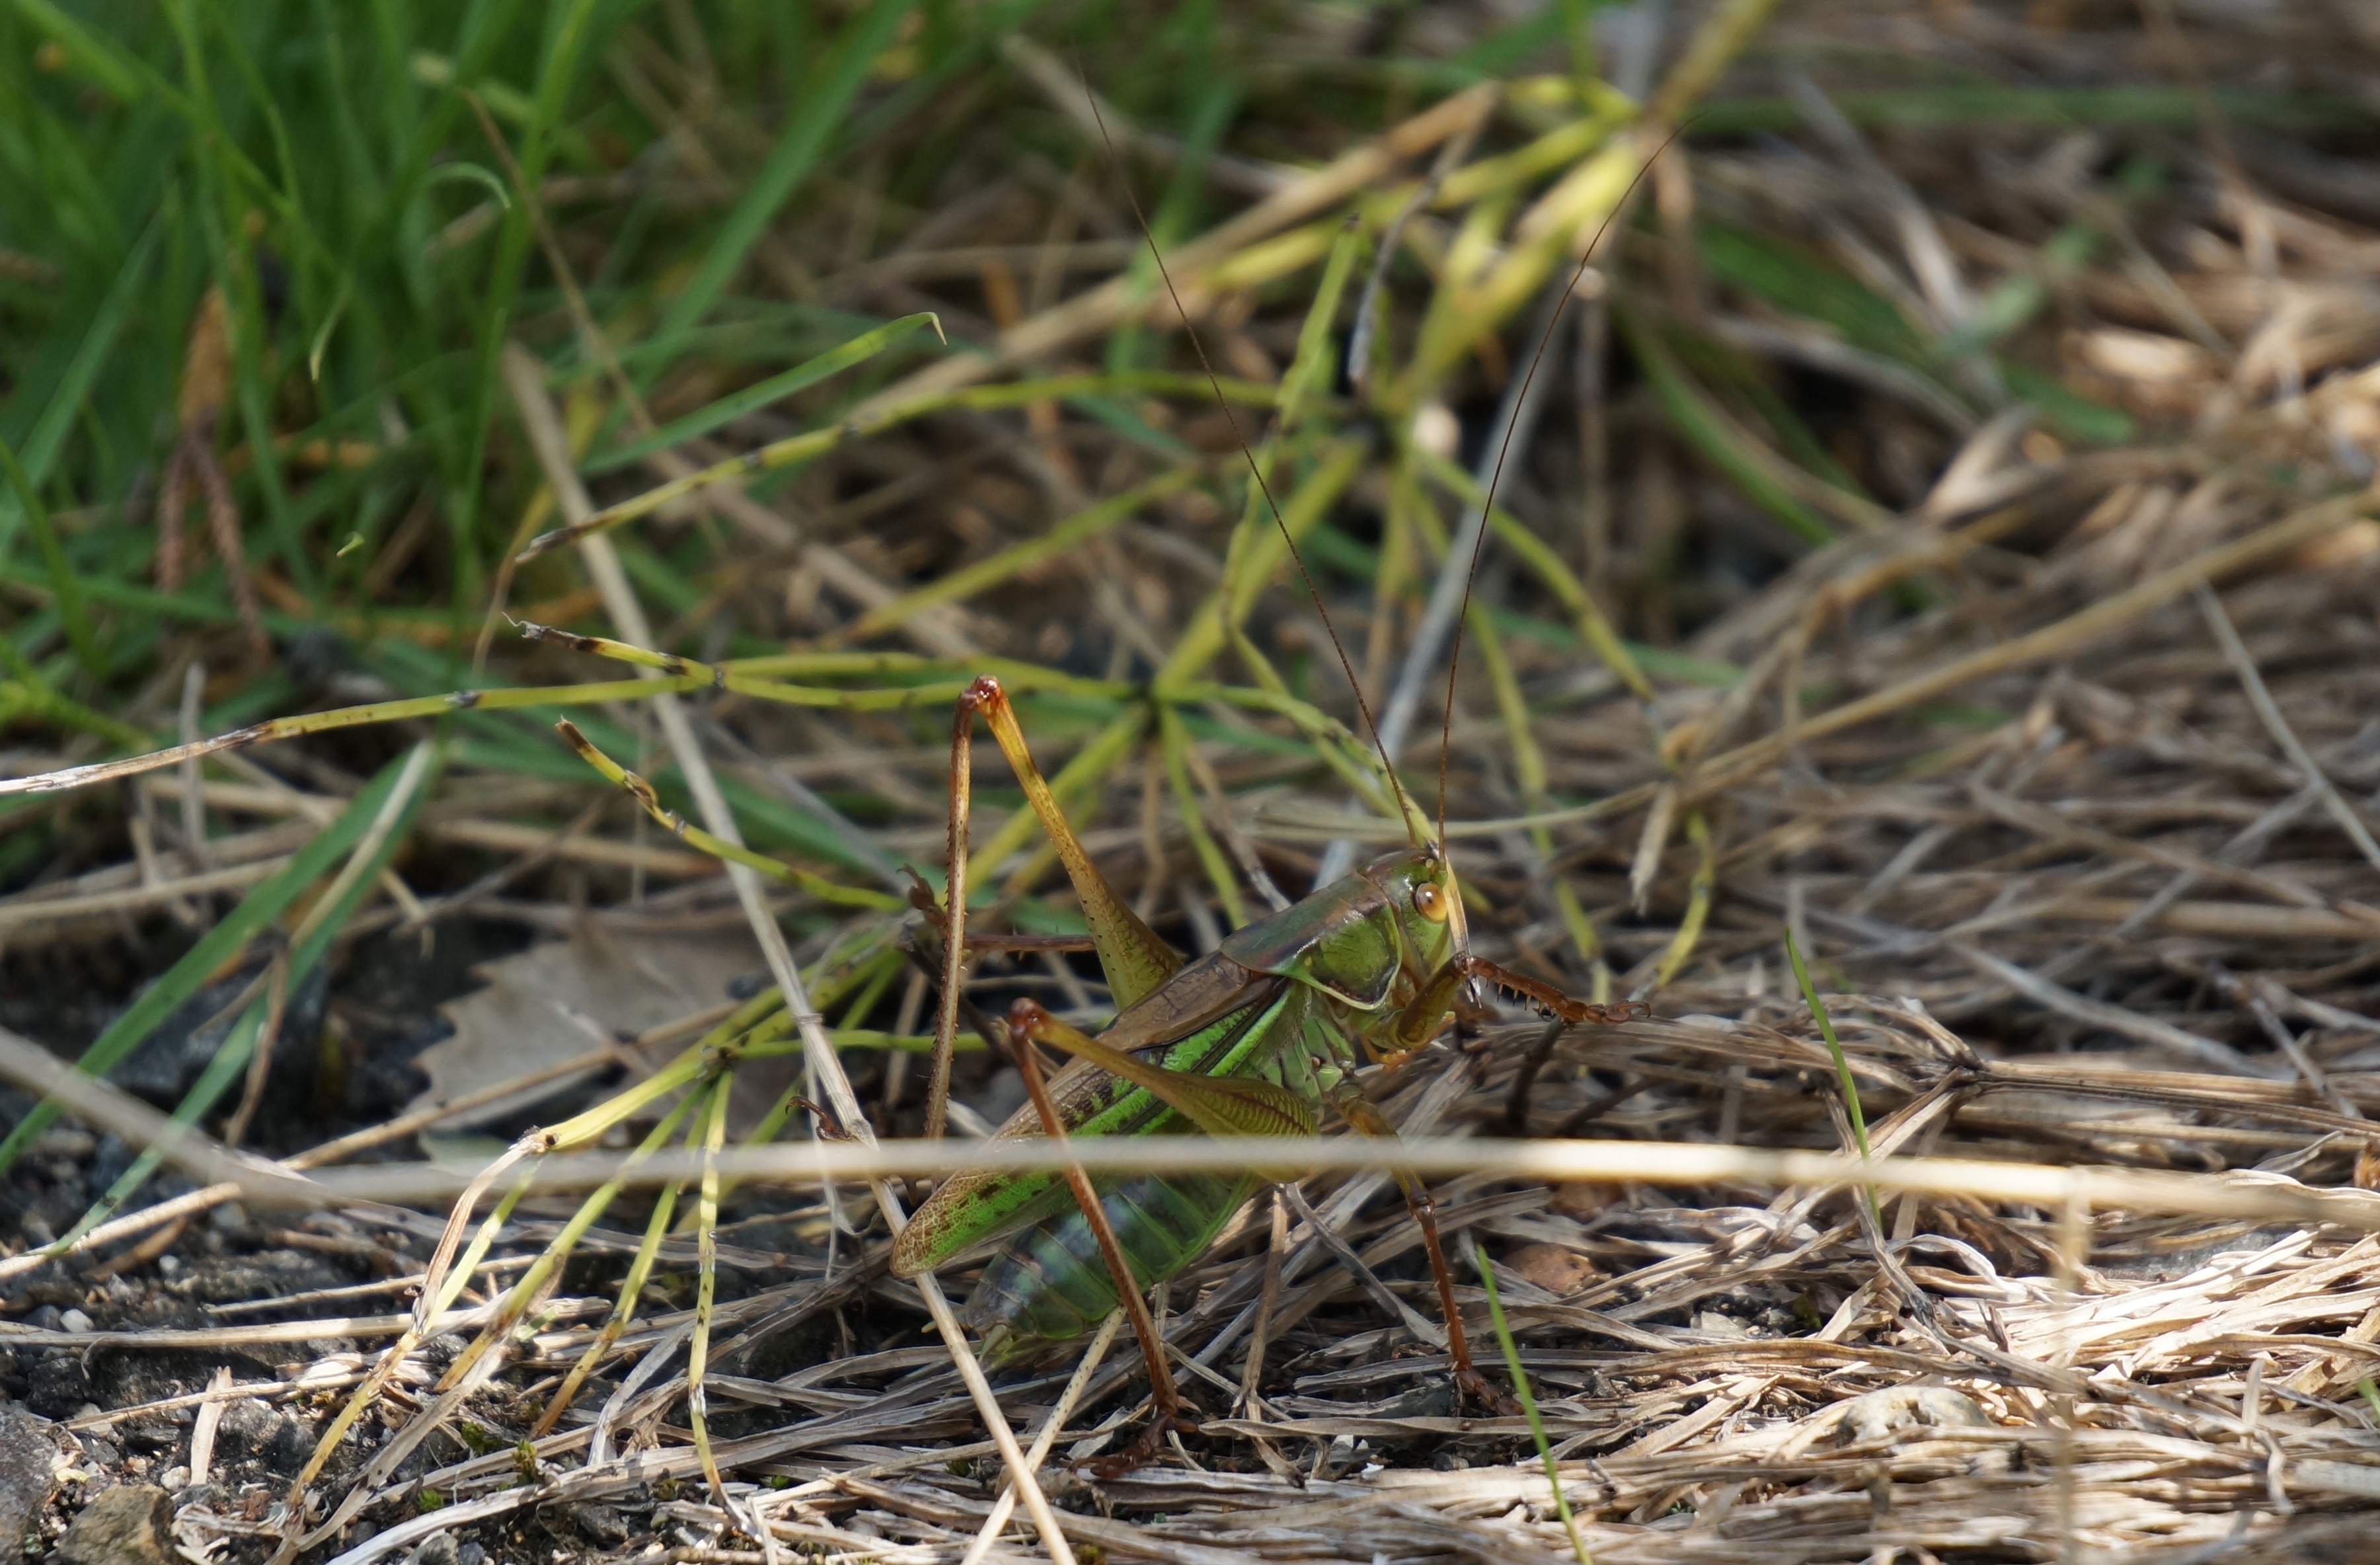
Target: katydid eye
<point>1430,903</point>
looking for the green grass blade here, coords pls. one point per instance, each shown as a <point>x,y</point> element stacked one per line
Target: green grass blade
<point>1529,1402</point>
<point>45,432</point>
<point>1702,427</point>
<point>790,161</point>
<point>263,904</point>
<point>54,559</point>
<point>384,833</point>
<point>1834,1046</point>
<point>702,420</point>
<point>1783,274</point>
<point>90,54</point>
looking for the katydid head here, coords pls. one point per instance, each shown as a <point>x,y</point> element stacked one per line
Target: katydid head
<point>1419,888</point>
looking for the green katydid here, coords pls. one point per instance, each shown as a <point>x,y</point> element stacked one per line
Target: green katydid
<point>1249,1040</point>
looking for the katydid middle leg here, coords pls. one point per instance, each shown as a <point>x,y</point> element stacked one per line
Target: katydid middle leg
<point>1364,1118</point>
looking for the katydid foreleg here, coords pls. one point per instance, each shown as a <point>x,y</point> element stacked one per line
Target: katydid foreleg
<point>1411,1027</point>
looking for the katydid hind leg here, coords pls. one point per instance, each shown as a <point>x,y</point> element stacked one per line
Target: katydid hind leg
<point>1135,961</point>
<point>1165,1398</point>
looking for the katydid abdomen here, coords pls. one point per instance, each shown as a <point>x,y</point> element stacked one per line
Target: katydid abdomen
<point>1050,1285</point>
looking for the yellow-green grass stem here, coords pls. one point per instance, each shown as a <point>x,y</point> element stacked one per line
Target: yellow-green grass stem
<point>706,1288</point>
<point>623,1310</point>
<point>1606,110</point>
<point>1173,741</point>
<point>1594,627</point>
<point>559,1249</point>
<point>724,1040</point>
<point>349,717</point>
<point>717,848</point>
<point>1680,949</point>
<point>817,442</point>
<point>469,1262</point>
<point>1357,763</point>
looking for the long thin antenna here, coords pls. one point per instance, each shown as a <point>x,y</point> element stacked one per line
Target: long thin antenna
<point>1387,764</point>
<point>1495,475</point>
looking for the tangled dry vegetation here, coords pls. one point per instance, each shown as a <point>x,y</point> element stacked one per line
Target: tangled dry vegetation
<point>1977,478</point>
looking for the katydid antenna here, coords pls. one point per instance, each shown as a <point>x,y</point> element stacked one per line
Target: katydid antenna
<point>1478,538</point>
<point>1255,471</point>
<point>1504,450</point>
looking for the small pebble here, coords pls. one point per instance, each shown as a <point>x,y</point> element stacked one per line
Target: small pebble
<point>126,1525</point>
<point>27,1474</point>
<point>74,1321</point>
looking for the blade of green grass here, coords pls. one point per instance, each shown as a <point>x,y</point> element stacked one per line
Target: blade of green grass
<point>383,834</point>
<point>263,904</point>
<point>701,422</point>
<point>58,399</point>
<point>1834,1046</point>
<point>796,152</point>
<point>54,559</point>
<point>90,54</point>
<point>1842,1066</point>
<point>1704,429</point>
<point>1783,274</point>
<point>1529,1402</point>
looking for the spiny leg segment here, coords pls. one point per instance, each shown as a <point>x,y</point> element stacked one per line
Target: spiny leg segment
<point>1136,963</point>
<point>1027,1021</point>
